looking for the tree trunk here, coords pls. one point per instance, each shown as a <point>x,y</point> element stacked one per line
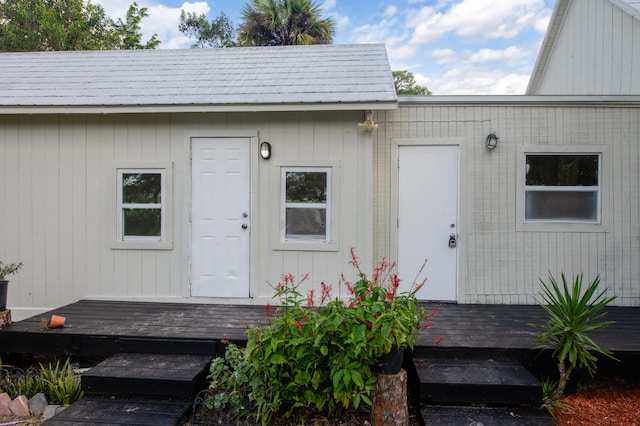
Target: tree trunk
<point>5,317</point>
<point>389,405</point>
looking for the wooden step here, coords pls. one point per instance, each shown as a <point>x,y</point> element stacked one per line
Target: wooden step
<point>148,376</point>
<point>469,381</point>
<point>107,411</point>
<point>494,416</point>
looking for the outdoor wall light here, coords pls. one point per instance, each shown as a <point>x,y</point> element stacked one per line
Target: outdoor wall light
<point>265,150</point>
<point>492,141</point>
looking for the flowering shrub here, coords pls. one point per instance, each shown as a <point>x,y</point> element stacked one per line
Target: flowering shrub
<point>318,353</point>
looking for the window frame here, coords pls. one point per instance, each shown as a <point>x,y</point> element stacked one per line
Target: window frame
<point>562,225</point>
<point>164,241</point>
<point>284,204</point>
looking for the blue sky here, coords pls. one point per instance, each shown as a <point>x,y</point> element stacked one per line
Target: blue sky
<point>454,47</point>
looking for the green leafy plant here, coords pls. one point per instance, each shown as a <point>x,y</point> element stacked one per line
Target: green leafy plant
<point>8,269</point>
<point>318,353</point>
<point>549,403</point>
<point>62,385</point>
<point>18,382</point>
<point>573,314</point>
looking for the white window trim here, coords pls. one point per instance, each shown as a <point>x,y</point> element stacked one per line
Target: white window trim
<point>333,200</point>
<point>600,225</point>
<point>165,242</point>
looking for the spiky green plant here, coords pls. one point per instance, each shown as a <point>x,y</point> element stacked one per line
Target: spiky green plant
<point>573,315</point>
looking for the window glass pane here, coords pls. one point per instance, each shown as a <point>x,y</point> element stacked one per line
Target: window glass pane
<point>561,205</point>
<point>562,170</point>
<point>141,188</point>
<point>307,223</point>
<point>142,222</point>
<point>306,187</point>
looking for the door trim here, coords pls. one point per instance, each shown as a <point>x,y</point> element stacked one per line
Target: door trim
<point>257,221</point>
<point>396,143</point>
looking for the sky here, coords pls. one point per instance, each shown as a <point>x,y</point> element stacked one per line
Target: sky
<point>453,47</point>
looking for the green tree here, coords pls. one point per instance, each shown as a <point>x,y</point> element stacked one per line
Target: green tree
<point>405,83</point>
<point>284,22</point>
<point>217,33</point>
<point>42,25</point>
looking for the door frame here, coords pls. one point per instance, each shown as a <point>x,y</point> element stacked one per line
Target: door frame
<point>257,221</point>
<point>396,143</point>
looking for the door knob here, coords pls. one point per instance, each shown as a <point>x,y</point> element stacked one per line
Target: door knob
<point>244,226</point>
<point>452,240</point>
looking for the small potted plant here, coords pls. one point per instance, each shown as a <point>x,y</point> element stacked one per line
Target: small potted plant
<point>6,269</point>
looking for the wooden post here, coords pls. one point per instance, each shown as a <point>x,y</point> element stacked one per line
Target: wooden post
<point>389,405</point>
<point>5,317</point>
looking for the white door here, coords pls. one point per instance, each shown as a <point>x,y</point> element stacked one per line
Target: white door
<point>220,217</point>
<point>428,218</point>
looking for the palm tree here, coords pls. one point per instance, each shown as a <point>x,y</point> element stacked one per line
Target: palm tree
<point>284,22</point>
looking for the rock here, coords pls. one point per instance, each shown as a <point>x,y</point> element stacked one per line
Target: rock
<point>51,410</point>
<point>37,404</point>
<point>5,400</point>
<point>19,406</point>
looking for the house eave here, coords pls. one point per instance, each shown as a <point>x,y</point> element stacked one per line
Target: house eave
<point>574,100</point>
<point>156,109</point>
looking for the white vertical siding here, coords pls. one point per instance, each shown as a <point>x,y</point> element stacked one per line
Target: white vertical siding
<point>501,263</point>
<point>57,192</point>
<point>597,52</point>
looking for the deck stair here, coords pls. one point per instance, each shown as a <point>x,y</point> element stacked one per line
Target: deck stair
<point>137,389</point>
<point>464,390</point>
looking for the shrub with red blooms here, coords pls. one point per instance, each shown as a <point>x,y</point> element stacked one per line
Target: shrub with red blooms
<point>318,354</point>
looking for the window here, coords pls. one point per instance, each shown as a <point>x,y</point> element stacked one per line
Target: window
<point>141,204</point>
<point>305,204</point>
<point>562,187</point>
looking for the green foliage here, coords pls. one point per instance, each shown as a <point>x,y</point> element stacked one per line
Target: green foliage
<point>44,25</point>
<point>284,22</point>
<point>549,402</point>
<point>317,355</point>
<point>405,83</point>
<point>8,269</point>
<point>573,314</point>
<point>62,385</point>
<point>217,33</point>
<point>17,382</point>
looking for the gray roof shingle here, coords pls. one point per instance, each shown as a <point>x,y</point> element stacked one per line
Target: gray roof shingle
<point>257,78</point>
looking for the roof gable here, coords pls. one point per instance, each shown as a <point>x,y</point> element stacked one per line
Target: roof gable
<point>565,10</point>
<point>256,78</point>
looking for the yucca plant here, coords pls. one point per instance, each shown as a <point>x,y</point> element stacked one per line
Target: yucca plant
<point>573,314</point>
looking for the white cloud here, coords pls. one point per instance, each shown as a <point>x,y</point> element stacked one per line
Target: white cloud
<point>542,24</point>
<point>510,54</point>
<point>484,19</point>
<point>390,10</point>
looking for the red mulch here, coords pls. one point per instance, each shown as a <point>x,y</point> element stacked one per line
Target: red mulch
<point>613,407</point>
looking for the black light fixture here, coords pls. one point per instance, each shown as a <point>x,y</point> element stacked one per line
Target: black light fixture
<point>265,150</point>
<point>492,141</point>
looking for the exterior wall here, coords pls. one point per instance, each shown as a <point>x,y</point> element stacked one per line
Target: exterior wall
<point>597,52</point>
<point>500,261</point>
<point>58,189</point>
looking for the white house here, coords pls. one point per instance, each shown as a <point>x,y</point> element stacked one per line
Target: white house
<point>591,47</point>
<point>560,193</point>
<point>138,174</point>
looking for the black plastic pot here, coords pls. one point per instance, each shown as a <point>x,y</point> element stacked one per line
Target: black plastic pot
<point>391,363</point>
<point>4,287</point>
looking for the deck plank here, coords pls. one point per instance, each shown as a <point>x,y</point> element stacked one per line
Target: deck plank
<point>97,325</point>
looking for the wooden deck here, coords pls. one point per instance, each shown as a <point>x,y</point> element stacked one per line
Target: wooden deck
<point>102,328</point>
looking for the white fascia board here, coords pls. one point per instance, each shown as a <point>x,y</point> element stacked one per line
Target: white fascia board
<point>145,109</point>
<point>613,100</point>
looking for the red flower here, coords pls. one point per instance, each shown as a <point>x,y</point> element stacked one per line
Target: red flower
<point>326,293</point>
<point>376,315</point>
<point>268,309</point>
<point>300,325</point>
<point>369,324</point>
<point>310,295</point>
<point>437,340</point>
